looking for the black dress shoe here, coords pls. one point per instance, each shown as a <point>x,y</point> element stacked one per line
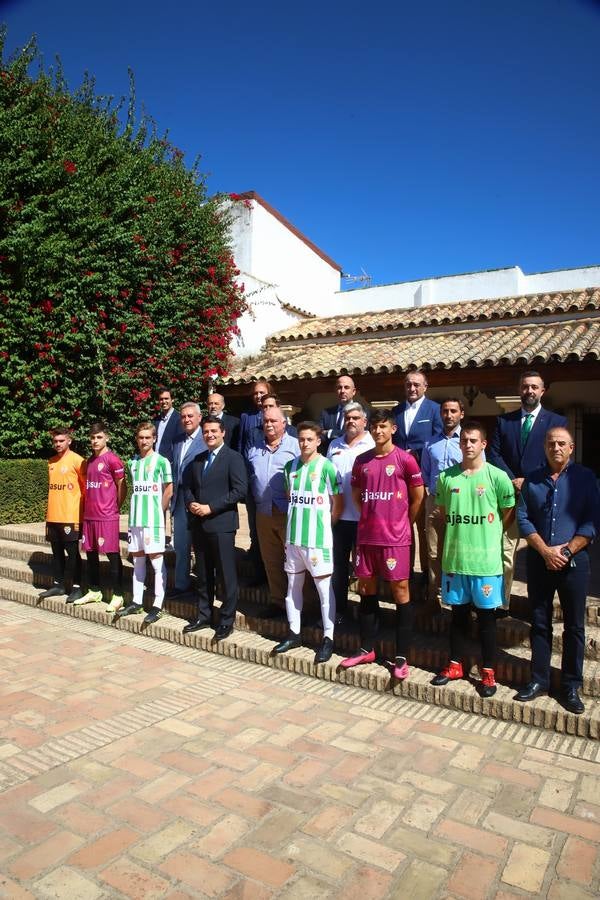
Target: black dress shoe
<point>570,699</point>
<point>57,590</point>
<point>153,616</point>
<point>291,642</point>
<point>222,632</point>
<point>324,652</point>
<point>76,594</point>
<point>531,691</point>
<point>133,609</point>
<point>195,626</point>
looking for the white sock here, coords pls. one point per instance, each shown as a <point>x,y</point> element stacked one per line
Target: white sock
<point>160,574</point>
<point>327,598</point>
<point>293,600</point>
<point>139,577</point>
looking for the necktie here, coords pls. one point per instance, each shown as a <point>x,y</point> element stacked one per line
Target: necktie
<point>209,461</point>
<point>339,423</point>
<point>526,428</point>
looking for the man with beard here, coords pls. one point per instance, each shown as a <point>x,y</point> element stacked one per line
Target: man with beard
<point>517,448</point>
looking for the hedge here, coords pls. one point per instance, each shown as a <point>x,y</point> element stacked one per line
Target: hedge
<point>23,490</point>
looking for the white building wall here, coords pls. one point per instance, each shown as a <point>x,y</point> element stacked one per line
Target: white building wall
<point>276,267</point>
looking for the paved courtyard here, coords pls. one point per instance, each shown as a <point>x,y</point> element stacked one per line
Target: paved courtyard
<point>130,767</point>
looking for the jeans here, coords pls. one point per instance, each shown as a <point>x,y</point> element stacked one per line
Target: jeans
<point>571,583</point>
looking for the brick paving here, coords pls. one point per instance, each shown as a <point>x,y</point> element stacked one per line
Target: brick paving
<point>135,768</point>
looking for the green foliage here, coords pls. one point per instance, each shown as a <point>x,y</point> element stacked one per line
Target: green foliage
<point>115,272</point>
<point>23,490</point>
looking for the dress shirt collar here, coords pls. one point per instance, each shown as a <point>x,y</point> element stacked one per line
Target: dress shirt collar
<point>534,412</point>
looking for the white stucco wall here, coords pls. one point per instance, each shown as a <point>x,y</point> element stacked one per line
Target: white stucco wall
<point>276,267</point>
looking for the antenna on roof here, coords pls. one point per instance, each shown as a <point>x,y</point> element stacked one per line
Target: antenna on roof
<point>363,280</point>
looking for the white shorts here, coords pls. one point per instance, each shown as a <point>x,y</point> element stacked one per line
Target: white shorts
<point>307,559</point>
<point>146,540</point>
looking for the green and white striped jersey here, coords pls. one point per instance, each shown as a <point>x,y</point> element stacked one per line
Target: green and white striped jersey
<point>148,475</point>
<point>309,513</point>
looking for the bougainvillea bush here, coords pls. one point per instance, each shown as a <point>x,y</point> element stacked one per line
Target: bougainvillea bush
<point>115,271</point>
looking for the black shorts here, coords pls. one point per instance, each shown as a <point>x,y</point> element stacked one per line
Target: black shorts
<point>62,532</point>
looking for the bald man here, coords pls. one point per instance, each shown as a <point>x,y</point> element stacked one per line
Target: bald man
<point>231,424</point>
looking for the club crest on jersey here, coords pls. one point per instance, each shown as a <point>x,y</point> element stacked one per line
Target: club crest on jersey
<point>480,489</point>
<point>100,466</point>
<point>67,529</point>
<point>389,470</point>
<point>486,589</point>
<point>455,491</point>
<point>391,563</point>
<point>64,470</point>
<point>313,476</point>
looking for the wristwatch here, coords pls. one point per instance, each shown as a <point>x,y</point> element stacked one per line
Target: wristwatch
<point>566,553</point>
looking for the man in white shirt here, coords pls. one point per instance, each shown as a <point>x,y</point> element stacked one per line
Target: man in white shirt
<point>342,452</point>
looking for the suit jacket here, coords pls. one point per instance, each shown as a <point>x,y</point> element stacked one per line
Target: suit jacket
<point>328,422</point>
<point>179,468</point>
<point>172,432</point>
<point>231,424</point>
<point>426,426</point>
<point>248,422</point>
<point>222,486</point>
<point>505,450</point>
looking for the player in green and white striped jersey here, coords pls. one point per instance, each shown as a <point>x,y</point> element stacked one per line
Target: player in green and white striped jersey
<point>151,490</point>
<point>315,503</point>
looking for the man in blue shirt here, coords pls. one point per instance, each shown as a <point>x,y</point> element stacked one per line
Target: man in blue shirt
<point>265,463</point>
<point>439,454</point>
<point>558,517</point>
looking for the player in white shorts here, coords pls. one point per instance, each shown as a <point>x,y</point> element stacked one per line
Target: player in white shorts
<point>152,487</point>
<point>316,502</point>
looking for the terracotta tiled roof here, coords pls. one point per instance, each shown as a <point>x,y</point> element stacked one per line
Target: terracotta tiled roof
<point>553,328</point>
<point>445,314</point>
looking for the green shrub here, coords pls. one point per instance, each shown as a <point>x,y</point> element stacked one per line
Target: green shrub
<point>23,490</point>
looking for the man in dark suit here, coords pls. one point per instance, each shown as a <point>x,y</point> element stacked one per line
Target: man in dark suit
<point>418,421</point>
<point>518,448</point>
<point>231,424</point>
<point>214,484</point>
<point>332,417</point>
<point>168,425</point>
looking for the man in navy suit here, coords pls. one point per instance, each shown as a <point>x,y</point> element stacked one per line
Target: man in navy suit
<point>518,447</point>
<point>214,484</point>
<point>332,417</point>
<point>168,424</point>
<point>231,424</point>
<point>418,421</point>
<point>184,450</point>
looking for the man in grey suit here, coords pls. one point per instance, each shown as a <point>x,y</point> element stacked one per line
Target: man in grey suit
<point>518,448</point>
<point>184,450</point>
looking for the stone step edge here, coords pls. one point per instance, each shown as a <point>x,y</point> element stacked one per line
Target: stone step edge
<point>247,646</point>
<point>512,632</point>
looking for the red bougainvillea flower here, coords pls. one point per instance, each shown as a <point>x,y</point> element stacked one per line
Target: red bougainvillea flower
<point>47,306</point>
<point>150,199</point>
<point>69,167</point>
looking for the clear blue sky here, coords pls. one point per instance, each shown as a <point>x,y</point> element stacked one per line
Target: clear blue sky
<point>412,138</point>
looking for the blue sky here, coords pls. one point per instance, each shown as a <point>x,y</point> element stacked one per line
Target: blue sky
<point>410,139</point>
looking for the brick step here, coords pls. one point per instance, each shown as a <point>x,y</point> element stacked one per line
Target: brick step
<point>39,558</point>
<point>512,633</point>
<point>39,554</point>
<point>428,651</point>
<point>246,645</point>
